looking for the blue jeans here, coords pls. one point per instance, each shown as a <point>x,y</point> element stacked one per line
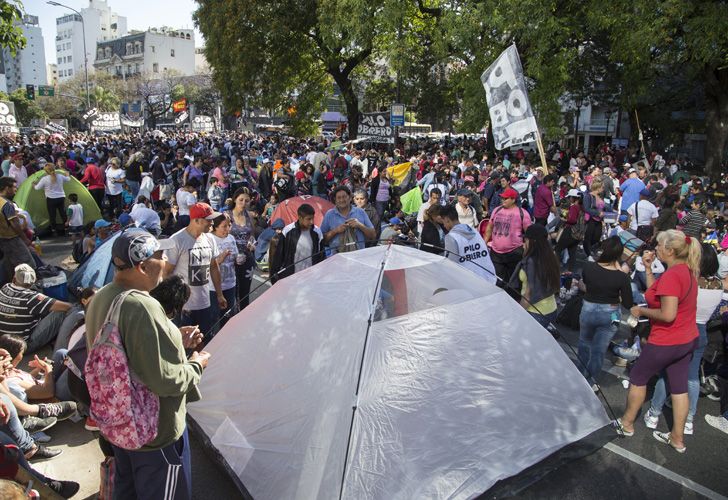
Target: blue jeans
<point>133,187</point>
<point>661,391</point>
<point>14,428</point>
<point>217,313</point>
<point>595,332</point>
<point>45,331</point>
<point>544,319</point>
<point>200,318</point>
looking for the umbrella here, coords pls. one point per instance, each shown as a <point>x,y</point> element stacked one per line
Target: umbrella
<point>286,209</point>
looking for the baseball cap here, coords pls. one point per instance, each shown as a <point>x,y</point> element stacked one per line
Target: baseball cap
<point>573,193</point>
<point>631,170</point>
<point>134,246</point>
<point>24,274</point>
<point>607,170</point>
<point>202,211</point>
<point>463,192</point>
<point>627,164</point>
<point>101,223</point>
<point>42,162</point>
<point>125,219</point>
<point>509,193</point>
<point>395,221</point>
<point>646,192</point>
<point>623,218</point>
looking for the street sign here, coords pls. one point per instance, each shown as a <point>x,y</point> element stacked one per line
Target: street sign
<point>46,90</point>
<point>396,117</point>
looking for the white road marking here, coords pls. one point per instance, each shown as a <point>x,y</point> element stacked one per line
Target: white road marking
<point>666,473</point>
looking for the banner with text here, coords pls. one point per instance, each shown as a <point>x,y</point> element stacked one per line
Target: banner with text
<point>375,127</point>
<point>106,121</point>
<point>56,127</point>
<point>510,111</point>
<point>8,123</point>
<point>127,121</point>
<point>202,123</point>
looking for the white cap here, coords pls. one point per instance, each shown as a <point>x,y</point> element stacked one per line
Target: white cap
<point>575,193</point>
<point>24,275</point>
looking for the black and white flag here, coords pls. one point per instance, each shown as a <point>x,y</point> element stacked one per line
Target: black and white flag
<point>510,111</point>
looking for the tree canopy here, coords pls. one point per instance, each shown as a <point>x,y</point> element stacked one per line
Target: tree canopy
<point>11,35</point>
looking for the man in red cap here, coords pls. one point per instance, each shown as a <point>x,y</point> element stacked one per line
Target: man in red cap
<point>504,234</point>
<point>194,259</point>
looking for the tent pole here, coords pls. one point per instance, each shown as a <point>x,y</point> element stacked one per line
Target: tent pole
<point>361,366</point>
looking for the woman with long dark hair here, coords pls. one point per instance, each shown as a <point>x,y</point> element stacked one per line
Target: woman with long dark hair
<point>537,276</point>
<point>243,232</point>
<point>432,234</point>
<point>567,241</point>
<point>606,286</point>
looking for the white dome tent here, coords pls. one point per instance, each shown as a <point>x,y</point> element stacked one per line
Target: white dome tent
<point>441,388</point>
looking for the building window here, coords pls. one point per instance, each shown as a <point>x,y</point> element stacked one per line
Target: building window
<point>155,67</point>
<point>100,54</point>
<point>60,61</point>
<point>152,49</point>
<point>172,53</point>
<point>69,58</point>
<point>70,72</point>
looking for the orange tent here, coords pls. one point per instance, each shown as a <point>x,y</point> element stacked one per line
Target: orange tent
<point>286,210</point>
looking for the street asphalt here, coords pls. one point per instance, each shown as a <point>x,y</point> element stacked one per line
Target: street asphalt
<point>638,467</point>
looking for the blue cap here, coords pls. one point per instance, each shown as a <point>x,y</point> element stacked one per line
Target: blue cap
<point>125,219</point>
<point>101,223</point>
<point>623,218</point>
<point>646,193</point>
<point>278,224</point>
<point>395,221</point>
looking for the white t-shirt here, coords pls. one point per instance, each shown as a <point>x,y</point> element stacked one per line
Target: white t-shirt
<point>114,188</point>
<point>192,259</point>
<point>421,216</point>
<point>185,200</point>
<point>76,218</point>
<point>647,213</point>
<point>708,300</point>
<point>19,174</point>
<point>53,189</point>
<point>304,248</point>
<point>227,267</point>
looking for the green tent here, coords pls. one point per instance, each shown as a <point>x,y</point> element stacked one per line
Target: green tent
<point>34,201</point>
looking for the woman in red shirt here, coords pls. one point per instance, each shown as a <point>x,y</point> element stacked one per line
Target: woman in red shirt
<point>672,301</point>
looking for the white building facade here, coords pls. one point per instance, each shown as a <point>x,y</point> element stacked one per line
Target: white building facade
<point>152,53</point>
<point>28,65</point>
<point>100,23</point>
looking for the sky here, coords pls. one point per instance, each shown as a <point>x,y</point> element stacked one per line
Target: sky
<point>140,15</point>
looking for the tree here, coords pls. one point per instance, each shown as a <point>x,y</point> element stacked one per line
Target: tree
<point>158,95</point>
<point>263,52</point>
<point>11,35</point>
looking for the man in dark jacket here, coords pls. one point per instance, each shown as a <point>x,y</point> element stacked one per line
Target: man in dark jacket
<point>299,247</point>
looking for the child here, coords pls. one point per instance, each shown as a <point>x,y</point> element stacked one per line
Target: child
<point>214,193</point>
<point>75,218</point>
<point>127,196</point>
<point>89,240</point>
<point>694,221</point>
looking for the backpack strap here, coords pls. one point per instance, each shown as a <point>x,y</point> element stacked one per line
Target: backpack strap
<point>112,316</point>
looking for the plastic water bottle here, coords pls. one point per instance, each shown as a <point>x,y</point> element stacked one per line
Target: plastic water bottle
<point>36,245</point>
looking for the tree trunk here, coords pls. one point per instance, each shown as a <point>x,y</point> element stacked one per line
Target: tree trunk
<point>716,119</point>
<point>351,101</point>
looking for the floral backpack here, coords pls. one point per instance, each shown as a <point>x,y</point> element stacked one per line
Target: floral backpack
<point>125,410</point>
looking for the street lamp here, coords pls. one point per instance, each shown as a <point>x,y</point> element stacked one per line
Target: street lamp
<point>85,54</point>
<point>578,102</point>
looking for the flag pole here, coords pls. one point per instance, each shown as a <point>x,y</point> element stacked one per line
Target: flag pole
<point>541,152</point>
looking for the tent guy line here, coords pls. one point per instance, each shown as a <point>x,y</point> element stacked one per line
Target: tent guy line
<point>666,473</point>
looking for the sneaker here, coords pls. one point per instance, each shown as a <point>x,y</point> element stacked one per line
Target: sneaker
<point>43,452</point>
<point>719,422</point>
<point>621,362</point>
<point>595,388</point>
<point>65,489</point>
<point>91,425</point>
<point>651,419</point>
<point>35,424</point>
<point>688,429</point>
<point>61,410</point>
<point>40,437</point>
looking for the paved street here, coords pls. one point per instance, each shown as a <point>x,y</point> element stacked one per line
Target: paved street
<point>636,467</point>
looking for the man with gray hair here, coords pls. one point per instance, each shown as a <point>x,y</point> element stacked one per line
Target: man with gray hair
<point>34,317</point>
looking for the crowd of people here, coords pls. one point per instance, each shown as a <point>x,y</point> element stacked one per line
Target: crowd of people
<point>193,219</point>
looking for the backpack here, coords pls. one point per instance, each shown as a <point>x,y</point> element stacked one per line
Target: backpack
<point>77,251</point>
<point>126,411</point>
<point>578,230</point>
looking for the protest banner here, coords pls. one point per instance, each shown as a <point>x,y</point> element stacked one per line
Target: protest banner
<point>375,127</point>
<point>181,118</point>
<point>511,115</point>
<point>90,114</point>
<point>56,127</point>
<point>180,105</point>
<point>106,121</point>
<point>8,123</point>
<point>202,123</point>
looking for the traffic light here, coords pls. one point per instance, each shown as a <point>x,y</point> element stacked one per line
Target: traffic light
<point>30,92</point>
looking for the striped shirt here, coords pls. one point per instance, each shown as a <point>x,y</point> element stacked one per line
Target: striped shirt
<point>693,223</point>
<point>21,309</point>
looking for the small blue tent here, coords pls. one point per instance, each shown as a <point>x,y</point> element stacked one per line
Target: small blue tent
<point>97,270</point>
